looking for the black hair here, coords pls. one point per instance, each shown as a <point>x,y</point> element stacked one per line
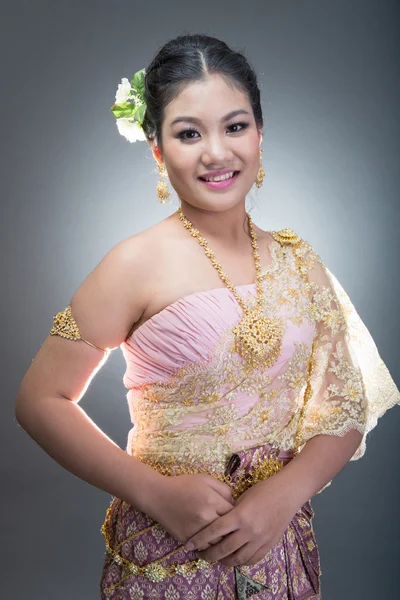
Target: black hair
<point>191,58</point>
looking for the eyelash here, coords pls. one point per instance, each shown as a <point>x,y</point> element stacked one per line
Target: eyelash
<point>182,133</point>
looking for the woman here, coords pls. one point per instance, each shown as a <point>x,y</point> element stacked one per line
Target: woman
<point>252,380</point>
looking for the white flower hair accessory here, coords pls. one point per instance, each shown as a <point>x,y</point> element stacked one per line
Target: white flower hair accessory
<point>130,107</point>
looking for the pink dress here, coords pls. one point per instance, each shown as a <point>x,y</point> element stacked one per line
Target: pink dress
<point>193,406</point>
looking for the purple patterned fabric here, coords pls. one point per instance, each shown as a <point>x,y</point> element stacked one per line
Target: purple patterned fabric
<point>289,571</point>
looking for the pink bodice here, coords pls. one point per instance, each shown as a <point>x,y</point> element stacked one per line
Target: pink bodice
<point>190,399</point>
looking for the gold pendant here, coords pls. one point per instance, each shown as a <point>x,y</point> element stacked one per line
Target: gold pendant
<point>258,339</point>
<point>65,325</point>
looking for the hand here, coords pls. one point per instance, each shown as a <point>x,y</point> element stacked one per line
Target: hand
<point>186,504</point>
<point>257,522</point>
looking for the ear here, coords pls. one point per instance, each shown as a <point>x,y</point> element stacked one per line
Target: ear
<point>260,137</point>
<point>156,152</point>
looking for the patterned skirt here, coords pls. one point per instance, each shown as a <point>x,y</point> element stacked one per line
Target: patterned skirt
<point>289,571</point>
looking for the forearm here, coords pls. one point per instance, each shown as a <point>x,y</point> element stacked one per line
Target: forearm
<point>322,457</point>
<point>63,429</point>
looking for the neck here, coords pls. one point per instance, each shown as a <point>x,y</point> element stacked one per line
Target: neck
<point>229,227</point>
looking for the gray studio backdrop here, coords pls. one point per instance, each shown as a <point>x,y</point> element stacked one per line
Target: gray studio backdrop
<point>72,187</point>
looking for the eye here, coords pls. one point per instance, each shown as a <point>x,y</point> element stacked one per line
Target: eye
<point>182,134</point>
<point>242,125</point>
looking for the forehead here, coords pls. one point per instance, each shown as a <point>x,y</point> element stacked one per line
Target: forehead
<point>208,99</point>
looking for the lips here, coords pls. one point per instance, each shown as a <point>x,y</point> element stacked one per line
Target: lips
<point>221,185</point>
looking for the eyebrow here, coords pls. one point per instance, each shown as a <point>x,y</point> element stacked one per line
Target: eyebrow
<point>198,121</point>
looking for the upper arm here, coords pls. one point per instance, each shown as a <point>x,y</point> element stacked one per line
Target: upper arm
<point>105,306</point>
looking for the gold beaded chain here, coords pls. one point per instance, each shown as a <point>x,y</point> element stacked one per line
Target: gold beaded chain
<point>258,339</point>
<point>265,468</point>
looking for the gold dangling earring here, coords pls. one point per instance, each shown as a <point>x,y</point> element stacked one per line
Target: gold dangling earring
<point>162,187</point>
<point>261,172</point>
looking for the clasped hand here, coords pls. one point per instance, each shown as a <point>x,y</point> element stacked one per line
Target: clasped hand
<point>255,524</point>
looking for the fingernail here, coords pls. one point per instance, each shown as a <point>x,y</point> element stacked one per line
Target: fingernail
<point>189,546</point>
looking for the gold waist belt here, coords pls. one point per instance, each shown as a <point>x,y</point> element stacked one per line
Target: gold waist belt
<point>154,571</point>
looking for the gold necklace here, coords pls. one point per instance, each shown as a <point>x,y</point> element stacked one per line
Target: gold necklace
<point>258,339</point>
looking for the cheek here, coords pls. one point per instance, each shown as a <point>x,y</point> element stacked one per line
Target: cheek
<point>181,174</point>
<point>249,152</point>
<point>256,160</point>
<point>252,160</point>
<point>184,169</point>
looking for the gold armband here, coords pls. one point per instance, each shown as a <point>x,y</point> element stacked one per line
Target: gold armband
<point>65,325</point>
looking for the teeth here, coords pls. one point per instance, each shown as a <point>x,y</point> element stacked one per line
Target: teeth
<point>221,177</point>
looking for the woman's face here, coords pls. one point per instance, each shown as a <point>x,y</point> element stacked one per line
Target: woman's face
<point>205,140</point>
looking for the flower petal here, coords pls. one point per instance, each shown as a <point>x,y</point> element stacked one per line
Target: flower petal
<point>123,91</point>
<point>130,130</point>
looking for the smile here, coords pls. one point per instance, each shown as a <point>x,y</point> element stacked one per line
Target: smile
<point>224,183</point>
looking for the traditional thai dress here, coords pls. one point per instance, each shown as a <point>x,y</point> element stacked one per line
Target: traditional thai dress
<point>195,407</point>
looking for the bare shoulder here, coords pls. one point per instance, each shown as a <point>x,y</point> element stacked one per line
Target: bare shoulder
<point>159,244</point>
<point>116,292</point>
<point>148,251</point>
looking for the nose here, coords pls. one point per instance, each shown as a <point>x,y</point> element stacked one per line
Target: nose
<point>217,152</point>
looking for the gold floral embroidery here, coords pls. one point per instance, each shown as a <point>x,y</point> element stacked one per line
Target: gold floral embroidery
<point>294,374</point>
<point>214,389</point>
<point>213,407</point>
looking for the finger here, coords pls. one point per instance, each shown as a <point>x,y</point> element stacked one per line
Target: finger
<point>257,556</point>
<point>222,488</point>
<point>240,557</point>
<point>261,553</point>
<point>229,545</point>
<point>223,508</point>
<point>218,528</point>
<point>212,543</point>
